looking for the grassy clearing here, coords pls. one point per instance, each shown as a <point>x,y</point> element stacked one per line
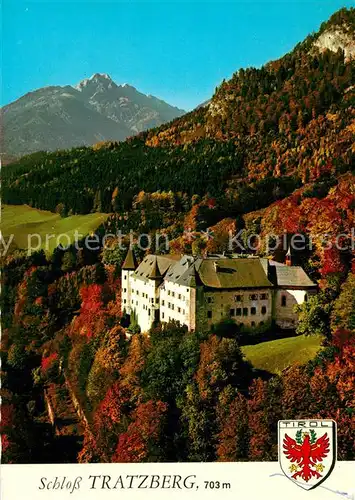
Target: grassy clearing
<point>276,355</point>
<point>22,221</point>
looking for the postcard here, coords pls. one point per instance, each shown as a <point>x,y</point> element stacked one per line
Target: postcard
<point>178,249</point>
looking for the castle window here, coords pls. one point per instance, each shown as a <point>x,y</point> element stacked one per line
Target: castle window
<point>148,312</point>
<point>253,296</point>
<point>238,298</point>
<point>253,323</point>
<point>124,301</point>
<point>162,315</point>
<point>209,314</point>
<point>253,311</point>
<point>173,294</point>
<point>125,290</point>
<point>125,277</point>
<point>263,310</point>
<point>283,301</point>
<point>172,306</point>
<point>179,296</point>
<point>163,302</point>
<point>245,311</point>
<point>238,311</point>
<point>231,312</point>
<point>157,301</point>
<point>168,292</point>
<point>210,300</point>
<point>179,309</point>
<point>264,296</point>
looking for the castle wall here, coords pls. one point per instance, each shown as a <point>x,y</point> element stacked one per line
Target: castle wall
<point>175,302</point>
<point>126,290</point>
<point>144,301</point>
<point>285,301</point>
<point>250,308</point>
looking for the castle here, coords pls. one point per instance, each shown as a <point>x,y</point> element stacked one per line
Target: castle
<point>199,292</point>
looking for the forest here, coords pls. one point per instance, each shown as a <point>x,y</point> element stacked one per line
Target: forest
<point>272,154</point>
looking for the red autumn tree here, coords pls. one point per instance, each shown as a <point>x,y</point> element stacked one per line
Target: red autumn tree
<point>92,313</point>
<point>233,440</point>
<point>141,441</point>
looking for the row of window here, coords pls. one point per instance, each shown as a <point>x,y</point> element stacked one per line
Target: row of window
<point>144,306</point>
<point>252,296</point>
<point>172,294</point>
<point>172,307</point>
<point>239,298</point>
<point>245,311</point>
<point>239,311</point>
<point>169,318</point>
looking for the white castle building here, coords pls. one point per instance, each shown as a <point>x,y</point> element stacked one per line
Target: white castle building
<point>199,292</point>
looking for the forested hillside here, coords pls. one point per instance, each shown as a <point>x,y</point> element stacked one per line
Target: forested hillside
<point>294,117</point>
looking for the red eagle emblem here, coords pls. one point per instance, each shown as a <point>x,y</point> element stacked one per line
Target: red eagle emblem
<point>306,451</point>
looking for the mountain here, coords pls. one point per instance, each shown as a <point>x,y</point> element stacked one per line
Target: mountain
<point>97,109</point>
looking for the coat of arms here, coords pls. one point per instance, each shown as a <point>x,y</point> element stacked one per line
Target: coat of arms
<point>307,450</point>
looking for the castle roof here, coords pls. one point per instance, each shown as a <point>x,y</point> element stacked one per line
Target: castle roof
<point>290,276</point>
<point>222,272</point>
<point>155,266</point>
<point>233,273</point>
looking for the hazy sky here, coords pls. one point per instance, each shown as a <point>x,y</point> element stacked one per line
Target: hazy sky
<point>178,51</point>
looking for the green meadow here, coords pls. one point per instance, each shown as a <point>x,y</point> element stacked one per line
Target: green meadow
<point>21,221</point>
<point>276,355</point>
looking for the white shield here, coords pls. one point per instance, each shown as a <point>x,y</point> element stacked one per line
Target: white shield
<point>307,450</point>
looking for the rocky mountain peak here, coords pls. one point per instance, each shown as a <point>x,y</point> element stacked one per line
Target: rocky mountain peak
<point>102,80</point>
<point>94,110</point>
<point>335,38</point>
<point>338,33</point>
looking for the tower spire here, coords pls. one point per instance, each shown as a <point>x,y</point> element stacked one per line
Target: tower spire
<point>155,273</point>
<point>289,257</point>
<point>130,262</point>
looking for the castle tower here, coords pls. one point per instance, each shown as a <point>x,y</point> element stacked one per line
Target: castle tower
<point>128,267</point>
<point>155,273</point>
